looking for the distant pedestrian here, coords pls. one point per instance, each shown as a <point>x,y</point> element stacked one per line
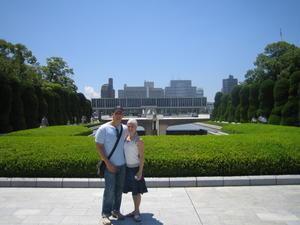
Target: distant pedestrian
<point>44,122</point>
<point>134,156</point>
<point>106,137</point>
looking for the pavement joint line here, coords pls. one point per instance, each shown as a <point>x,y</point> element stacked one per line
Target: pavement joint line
<point>156,182</point>
<point>199,218</point>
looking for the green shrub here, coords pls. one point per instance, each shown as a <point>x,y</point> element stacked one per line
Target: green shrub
<point>290,112</point>
<point>250,149</point>
<point>275,116</point>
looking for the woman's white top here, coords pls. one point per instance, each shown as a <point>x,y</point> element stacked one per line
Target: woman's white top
<point>131,152</point>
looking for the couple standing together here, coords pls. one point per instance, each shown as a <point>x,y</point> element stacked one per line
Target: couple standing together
<point>124,169</point>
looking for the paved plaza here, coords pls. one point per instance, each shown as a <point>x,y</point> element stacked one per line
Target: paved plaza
<point>243,205</point>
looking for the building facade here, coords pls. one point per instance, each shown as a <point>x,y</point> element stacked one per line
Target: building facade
<point>199,92</point>
<point>229,84</point>
<point>138,106</point>
<point>107,90</point>
<point>146,91</point>
<point>180,89</point>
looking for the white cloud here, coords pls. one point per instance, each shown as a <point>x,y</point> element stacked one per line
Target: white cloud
<point>89,92</point>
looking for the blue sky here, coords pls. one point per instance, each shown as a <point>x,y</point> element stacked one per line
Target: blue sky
<point>157,40</point>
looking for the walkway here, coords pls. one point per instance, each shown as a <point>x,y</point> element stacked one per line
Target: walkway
<point>243,205</point>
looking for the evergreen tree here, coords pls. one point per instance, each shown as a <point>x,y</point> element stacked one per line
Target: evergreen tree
<point>281,93</point>
<point>17,118</point>
<point>244,103</point>
<point>235,100</point>
<point>31,107</point>
<point>266,98</point>
<point>5,104</point>
<point>215,113</point>
<point>291,110</point>
<point>253,101</point>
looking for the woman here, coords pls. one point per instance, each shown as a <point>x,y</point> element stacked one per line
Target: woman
<point>134,157</point>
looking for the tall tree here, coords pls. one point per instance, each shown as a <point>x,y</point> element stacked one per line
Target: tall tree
<point>43,105</point>
<point>281,94</point>
<point>223,107</point>
<point>58,71</point>
<point>235,100</point>
<point>278,60</point>
<point>215,113</point>
<point>31,107</point>
<point>291,110</point>
<point>17,117</point>
<point>253,101</point>
<point>266,98</point>
<point>5,104</point>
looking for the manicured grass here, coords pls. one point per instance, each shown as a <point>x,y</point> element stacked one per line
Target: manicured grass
<point>53,131</point>
<point>250,149</point>
<point>263,129</point>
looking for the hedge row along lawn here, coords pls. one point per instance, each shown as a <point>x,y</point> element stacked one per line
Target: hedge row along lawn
<point>63,151</point>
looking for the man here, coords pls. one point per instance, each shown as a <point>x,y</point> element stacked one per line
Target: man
<point>114,174</point>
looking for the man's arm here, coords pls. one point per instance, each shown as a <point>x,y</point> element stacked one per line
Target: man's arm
<point>100,149</point>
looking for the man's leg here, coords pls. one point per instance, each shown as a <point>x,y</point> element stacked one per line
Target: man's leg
<point>120,178</point>
<point>109,193</point>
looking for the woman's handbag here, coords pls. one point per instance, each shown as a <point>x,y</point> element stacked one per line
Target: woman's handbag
<point>101,166</point>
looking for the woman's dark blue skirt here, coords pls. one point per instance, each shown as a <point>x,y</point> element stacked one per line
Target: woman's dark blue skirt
<point>133,185</point>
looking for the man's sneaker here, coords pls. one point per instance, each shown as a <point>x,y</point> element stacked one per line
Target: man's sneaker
<point>105,220</point>
<point>117,215</point>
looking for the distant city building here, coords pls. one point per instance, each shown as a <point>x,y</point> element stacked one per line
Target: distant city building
<point>107,90</point>
<point>179,98</point>
<point>149,84</point>
<point>180,89</point>
<point>137,106</point>
<point>229,84</point>
<point>199,92</point>
<point>146,91</point>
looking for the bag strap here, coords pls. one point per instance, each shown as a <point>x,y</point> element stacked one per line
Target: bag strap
<point>117,142</point>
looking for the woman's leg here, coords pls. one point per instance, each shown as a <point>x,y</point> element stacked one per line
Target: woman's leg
<point>137,202</point>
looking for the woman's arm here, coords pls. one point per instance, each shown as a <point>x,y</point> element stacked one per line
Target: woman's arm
<point>140,145</point>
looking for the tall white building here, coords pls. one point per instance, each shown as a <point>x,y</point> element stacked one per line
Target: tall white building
<point>229,84</point>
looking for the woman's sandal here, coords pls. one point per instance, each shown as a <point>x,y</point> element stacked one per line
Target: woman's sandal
<point>137,218</point>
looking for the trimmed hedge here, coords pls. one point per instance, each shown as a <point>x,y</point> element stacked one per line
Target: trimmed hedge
<point>251,149</point>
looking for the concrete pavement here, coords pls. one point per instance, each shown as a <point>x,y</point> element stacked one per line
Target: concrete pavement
<point>240,205</point>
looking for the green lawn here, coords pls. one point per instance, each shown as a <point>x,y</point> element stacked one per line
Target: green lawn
<point>53,131</point>
<point>63,151</point>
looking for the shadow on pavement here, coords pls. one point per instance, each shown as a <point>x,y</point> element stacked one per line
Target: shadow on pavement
<point>147,219</point>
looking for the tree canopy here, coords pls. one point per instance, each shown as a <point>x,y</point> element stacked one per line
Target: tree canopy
<point>271,89</point>
<point>30,91</point>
